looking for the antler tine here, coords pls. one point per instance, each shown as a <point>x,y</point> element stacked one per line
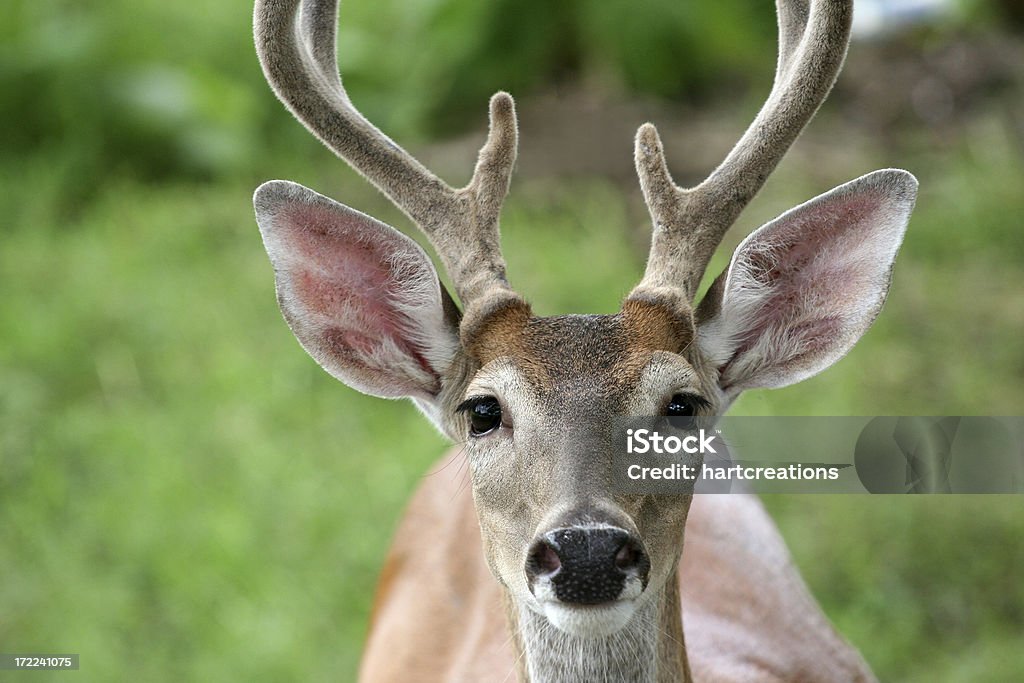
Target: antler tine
<point>690,223</point>
<point>295,41</point>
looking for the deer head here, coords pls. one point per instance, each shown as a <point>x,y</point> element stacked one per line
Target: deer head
<point>531,398</point>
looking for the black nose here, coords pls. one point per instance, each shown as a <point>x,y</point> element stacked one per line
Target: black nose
<point>587,565</point>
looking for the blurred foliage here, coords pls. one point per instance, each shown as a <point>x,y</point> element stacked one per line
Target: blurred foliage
<point>150,90</point>
<point>659,47</point>
<point>184,495</point>
<point>141,89</point>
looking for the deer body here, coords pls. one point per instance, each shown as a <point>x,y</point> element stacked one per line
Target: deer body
<point>578,582</point>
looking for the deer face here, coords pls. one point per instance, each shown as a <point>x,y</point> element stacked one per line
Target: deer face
<point>539,439</point>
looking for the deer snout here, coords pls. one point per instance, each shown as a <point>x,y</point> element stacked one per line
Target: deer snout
<point>587,565</point>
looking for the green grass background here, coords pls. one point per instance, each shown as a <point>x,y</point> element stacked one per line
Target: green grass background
<point>185,495</point>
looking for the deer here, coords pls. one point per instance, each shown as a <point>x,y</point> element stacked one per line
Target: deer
<point>540,571</point>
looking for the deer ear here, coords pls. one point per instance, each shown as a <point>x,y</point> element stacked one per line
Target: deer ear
<point>363,299</point>
<point>801,290</point>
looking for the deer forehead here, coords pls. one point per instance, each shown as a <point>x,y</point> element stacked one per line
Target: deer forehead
<point>585,362</point>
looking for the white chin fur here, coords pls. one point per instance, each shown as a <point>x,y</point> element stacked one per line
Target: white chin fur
<point>589,621</point>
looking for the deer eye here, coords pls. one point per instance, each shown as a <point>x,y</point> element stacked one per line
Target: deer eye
<point>685,405</point>
<point>484,414</point>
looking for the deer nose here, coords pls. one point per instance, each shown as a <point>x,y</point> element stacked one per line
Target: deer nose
<point>587,565</point>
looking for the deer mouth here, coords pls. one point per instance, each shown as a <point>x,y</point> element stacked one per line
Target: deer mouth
<point>589,620</point>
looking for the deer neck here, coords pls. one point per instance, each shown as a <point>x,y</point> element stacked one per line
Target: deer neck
<point>649,649</point>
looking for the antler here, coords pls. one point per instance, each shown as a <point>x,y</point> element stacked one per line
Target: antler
<point>690,223</point>
<point>295,40</point>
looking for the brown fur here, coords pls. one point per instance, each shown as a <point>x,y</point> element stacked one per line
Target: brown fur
<point>566,347</point>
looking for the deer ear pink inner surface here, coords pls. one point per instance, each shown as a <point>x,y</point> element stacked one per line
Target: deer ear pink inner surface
<point>363,299</point>
<point>803,289</point>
